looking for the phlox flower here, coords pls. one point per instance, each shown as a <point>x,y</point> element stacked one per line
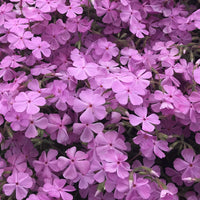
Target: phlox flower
<point>57,128</point>
<point>40,196</point>
<point>173,100</point>
<point>16,25</point>
<point>86,130</point>
<point>85,180</point>
<point>128,91</point>
<point>147,121</point>
<point>55,35</point>
<point>61,95</point>
<point>17,161</point>
<point>39,47</point>
<point>107,8</point>
<point>149,145</point>
<point>58,189</point>
<point>46,5</point>
<point>81,70</point>
<point>76,162</point>
<point>19,40</point>
<point>115,162</point>
<point>91,104</point>
<point>28,102</point>
<point>6,12</point>
<point>139,188</point>
<point>44,68</point>
<point>71,11</point>
<point>106,49</point>
<point>190,166</point>
<point>110,140</point>
<point>18,121</point>
<point>78,24</point>
<point>46,164</point>
<point>129,56</point>
<point>37,120</point>
<point>18,182</point>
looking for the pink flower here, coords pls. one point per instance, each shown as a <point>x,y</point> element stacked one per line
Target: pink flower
<point>18,121</point>
<point>19,182</point>
<point>17,162</point>
<point>106,49</point>
<point>72,10</point>
<point>44,68</point>
<point>190,166</point>
<point>86,130</point>
<point>57,128</point>
<point>139,187</point>
<point>109,9</point>
<point>39,47</point>
<point>147,121</point>
<point>47,5</point>
<point>58,189</point>
<point>92,104</point>
<point>81,70</point>
<point>19,40</point>
<point>115,162</point>
<point>55,35</point>
<point>28,102</point>
<point>110,140</point>
<point>36,120</point>
<point>149,145</point>
<point>129,55</point>
<point>16,25</point>
<point>128,91</point>
<point>46,164</point>
<point>12,61</point>
<point>62,95</point>
<point>76,162</point>
<point>5,12</point>
<point>78,24</point>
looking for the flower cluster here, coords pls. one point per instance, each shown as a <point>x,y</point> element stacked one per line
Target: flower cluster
<point>99,100</point>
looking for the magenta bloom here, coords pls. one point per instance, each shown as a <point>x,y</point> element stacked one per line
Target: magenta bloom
<point>46,5</point>
<point>19,40</point>
<point>76,162</point>
<point>38,120</point>
<point>139,188</point>
<point>57,128</point>
<point>28,102</point>
<point>110,140</point>
<point>92,104</point>
<point>72,10</point>
<point>128,91</point>
<point>82,70</point>
<point>46,164</point>
<point>58,189</point>
<point>5,12</point>
<point>19,182</point>
<point>109,9</point>
<point>106,49</point>
<point>147,121</point>
<point>39,47</point>
<point>86,130</point>
<point>190,166</point>
<point>115,162</point>
<point>18,121</point>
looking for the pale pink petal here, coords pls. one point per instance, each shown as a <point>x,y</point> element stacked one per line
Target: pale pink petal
<point>31,131</point>
<point>134,120</point>
<point>32,109</point>
<point>70,172</point>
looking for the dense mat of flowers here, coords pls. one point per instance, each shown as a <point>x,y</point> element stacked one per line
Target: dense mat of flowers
<point>99,99</point>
